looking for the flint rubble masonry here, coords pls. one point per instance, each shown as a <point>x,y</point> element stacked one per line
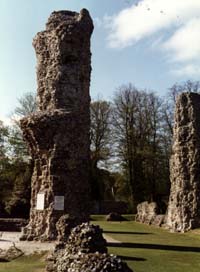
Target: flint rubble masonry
<point>184,203</point>
<point>58,133</point>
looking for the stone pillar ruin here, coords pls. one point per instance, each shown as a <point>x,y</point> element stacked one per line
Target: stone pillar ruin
<point>58,133</point>
<point>184,203</point>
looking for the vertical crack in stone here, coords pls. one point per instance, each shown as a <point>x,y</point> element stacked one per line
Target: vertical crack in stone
<point>184,202</point>
<point>58,133</point>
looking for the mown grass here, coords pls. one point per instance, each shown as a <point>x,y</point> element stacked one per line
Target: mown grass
<point>144,248</point>
<point>32,263</point>
<point>102,217</point>
<point>152,249</point>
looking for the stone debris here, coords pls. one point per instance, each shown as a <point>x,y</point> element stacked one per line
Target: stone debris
<point>87,238</point>
<point>95,262</point>
<point>58,133</point>
<point>85,251</point>
<point>184,203</point>
<point>10,254</point>
<point>115,217</point>
<point>64,226</point>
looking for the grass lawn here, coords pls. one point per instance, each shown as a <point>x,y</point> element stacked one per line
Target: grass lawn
<point>147,248</point>
<point>144,248</point>
<point>33,263</point>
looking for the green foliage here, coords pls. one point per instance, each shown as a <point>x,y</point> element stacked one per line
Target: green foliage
<point>102,183</point>
<point>3,138</point>
<point>15,164</point>
<point>16,145</point>
<point>18,203</point>
<point>131,141</point>
<point>15,179</point>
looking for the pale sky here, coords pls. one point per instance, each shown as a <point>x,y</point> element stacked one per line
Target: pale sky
<point>150,43</point>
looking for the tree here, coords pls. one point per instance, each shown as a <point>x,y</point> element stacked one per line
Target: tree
<point>3,140</point>
<point>137,121</point>
<point>187,86</point>
<point>19,174</point>
<point>18,166</point>
<point>26,106</point>
<point>100,112</point>
<point>170,100</point>
<point>129,132</point>
<point>5,183</point>
<point>154,150</point>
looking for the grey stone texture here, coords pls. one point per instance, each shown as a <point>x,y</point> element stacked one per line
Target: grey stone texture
<point>184,203</point>
<point>147,213</point>
<point>58,133</point>
<point>85,251</point>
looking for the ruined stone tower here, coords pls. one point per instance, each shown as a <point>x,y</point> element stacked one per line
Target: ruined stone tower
<point>184,203</point>
<point>58,133</point>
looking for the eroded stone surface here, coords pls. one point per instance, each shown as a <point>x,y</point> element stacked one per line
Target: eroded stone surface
<point>148,213</point>
<point>86,251</point>
<point>184,203</point>
<point>58,133</point>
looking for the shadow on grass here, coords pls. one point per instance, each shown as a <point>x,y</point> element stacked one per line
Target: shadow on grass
<point>127,232</point>
<point>155,246</point>
<point>128,258</point>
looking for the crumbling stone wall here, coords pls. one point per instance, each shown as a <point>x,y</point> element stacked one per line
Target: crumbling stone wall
<point>58,133</point>
<point>86,251</point>
<point>184,203</point>
<point>148,213</point>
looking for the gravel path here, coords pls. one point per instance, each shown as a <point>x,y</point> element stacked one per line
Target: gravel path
<point>7,239</point>
<point>110,239</point>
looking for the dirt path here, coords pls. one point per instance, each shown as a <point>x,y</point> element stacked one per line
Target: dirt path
<point>110,239</point>
<point>9,238</point>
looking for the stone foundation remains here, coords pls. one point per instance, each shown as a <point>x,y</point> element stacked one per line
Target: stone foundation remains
<point>58,133</point>
<point>86,251</point>
<point>184,203</point>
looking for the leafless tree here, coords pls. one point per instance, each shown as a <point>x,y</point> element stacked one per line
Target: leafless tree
<point>137,119</point>
<point>100,112</point>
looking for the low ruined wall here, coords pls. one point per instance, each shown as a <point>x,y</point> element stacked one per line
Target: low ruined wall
<point>148,213</point>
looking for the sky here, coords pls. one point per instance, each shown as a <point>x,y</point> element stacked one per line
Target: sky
<point>149,43</point>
